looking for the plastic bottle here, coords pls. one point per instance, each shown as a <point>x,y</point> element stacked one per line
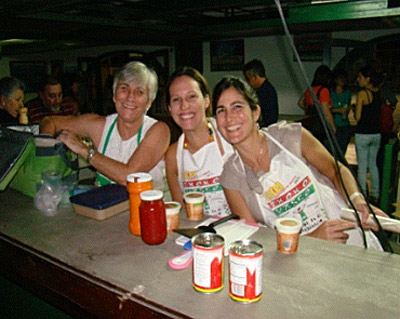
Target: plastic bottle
<point>137,183</point>
<point>153,224</point>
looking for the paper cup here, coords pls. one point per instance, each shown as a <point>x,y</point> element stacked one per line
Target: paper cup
<point>287,234</point>
<point>194,205</point>
<point>172,210</point>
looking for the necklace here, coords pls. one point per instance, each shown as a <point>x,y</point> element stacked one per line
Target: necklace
<point>210,135</point>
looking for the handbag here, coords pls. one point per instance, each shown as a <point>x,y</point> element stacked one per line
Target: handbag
<point>48,155</point>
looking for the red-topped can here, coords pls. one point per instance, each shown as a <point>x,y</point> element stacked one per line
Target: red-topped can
<point>245,271</point>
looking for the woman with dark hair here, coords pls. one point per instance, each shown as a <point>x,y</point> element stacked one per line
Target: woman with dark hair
<point>283,171</point>
<point>367,134</point>
<point>195,161</point>
<point>321,84</point>
<point>11,99</point>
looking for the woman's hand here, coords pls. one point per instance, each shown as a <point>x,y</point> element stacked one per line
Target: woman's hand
<point>362,207</point>
<point>73,142</point>
<point>333,230</point>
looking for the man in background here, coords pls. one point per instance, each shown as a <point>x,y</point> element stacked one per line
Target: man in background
<point>254,73</point>
<point>50,101</point>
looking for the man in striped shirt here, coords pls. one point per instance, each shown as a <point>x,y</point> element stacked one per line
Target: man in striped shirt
<point>50,101</point>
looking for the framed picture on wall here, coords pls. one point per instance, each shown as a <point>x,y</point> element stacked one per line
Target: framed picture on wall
<point>227,55</point>
<point>311,47</point>
<point>30,73</point>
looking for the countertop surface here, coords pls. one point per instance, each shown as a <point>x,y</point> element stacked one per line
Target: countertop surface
<point>321,280</point>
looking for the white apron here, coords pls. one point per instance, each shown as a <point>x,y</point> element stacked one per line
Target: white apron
<point>290,189</point>
<point>200,172</point>
<point>112,145</point>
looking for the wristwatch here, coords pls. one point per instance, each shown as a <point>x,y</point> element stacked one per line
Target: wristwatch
<point>90,154</point>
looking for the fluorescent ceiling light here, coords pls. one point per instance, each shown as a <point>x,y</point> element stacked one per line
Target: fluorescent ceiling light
<point>326,1</point>
<point>17,41</point>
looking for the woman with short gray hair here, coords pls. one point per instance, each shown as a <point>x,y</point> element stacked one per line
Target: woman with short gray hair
<point>11,99</point>
<point>125,142</point>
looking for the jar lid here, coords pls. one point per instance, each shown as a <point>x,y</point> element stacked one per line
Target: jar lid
<point>153,194</point>
<point>139,177</point>
<point>288,225</point>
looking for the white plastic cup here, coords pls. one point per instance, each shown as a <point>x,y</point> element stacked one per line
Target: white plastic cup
<point>194,205</point>
<point>172,210</point>
<point>287,234</point>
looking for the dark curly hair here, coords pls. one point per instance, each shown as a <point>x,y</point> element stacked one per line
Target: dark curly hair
<point>240,85</point>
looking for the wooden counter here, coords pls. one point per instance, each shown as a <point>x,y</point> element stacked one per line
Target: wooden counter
<point>98,269</point>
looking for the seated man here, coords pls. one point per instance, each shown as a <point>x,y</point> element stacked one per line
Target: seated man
<point>50,101</point>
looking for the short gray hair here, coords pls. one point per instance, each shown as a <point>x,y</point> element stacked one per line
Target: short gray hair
<point>138,73</point>
<point>8,85</point>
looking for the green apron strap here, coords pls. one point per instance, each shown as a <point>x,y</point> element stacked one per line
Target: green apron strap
<point>108,135</point>
<point>102,180</point>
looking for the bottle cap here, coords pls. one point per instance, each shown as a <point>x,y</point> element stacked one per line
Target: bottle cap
<point>151,195</point>
<point>138,178</point>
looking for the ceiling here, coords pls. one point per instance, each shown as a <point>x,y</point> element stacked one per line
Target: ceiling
<point>60,24</point>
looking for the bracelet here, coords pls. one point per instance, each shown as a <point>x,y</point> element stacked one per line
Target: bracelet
<point>91,153</point>
<point>354,195</point>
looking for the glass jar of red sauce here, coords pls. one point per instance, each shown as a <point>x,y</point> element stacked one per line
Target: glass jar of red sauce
<point>153,225</point>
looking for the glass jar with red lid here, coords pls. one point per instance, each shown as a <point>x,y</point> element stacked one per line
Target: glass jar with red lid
<point>153,225</point>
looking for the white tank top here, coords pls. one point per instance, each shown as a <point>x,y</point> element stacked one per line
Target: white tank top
<point>112,146</point>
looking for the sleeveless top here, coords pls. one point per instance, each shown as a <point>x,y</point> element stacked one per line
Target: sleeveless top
<point>112,146</point>
<point>291,188</point>
<point>370,114</point>
<point>200,171</point>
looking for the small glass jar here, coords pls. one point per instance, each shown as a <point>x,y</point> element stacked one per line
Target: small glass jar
<point>153,225</point>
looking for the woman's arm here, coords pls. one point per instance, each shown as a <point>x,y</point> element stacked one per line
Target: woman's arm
<point>238,205</point>
<point>171,169</point>
<point>86,125</point>
<point>302,102</point>
<point>326,107</point>
<point>361,100</point>
<point>149,152</point>
<point>318,156</point>
<point>147,155</point>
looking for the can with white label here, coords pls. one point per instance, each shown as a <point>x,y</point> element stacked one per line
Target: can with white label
<point>208,262</point>
<point>245,271</point>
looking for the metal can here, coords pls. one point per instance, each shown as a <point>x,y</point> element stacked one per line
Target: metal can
<point>208,262</point>
<point>245,271</point>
